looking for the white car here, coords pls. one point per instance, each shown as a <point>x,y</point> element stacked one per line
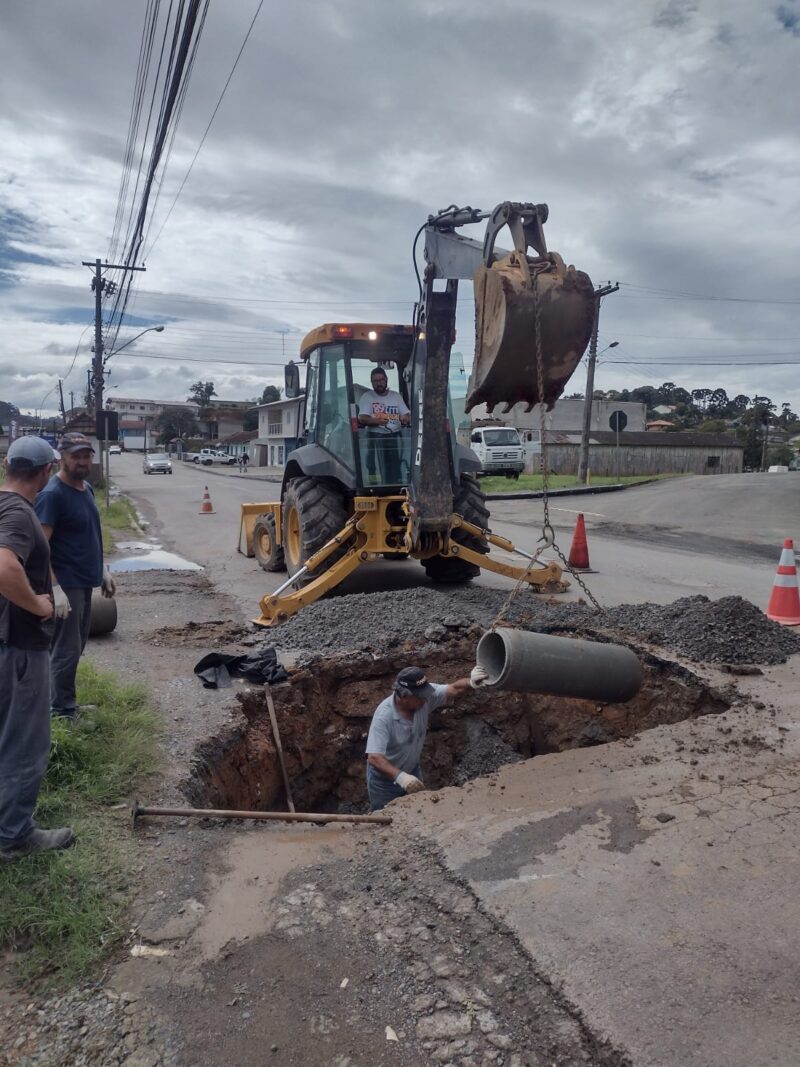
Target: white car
<point>157,463</point>
<point>115,450</point>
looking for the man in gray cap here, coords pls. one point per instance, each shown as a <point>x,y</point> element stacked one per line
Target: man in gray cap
<point>398,729</point>
<point>70,521</point>
<point>26,611</point>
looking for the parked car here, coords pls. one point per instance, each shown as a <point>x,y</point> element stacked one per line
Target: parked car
<point>157,463</point>
<point>207,456</point>
<point>115,450</point>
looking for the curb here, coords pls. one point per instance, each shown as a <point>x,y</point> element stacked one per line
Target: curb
<point>583,490</point>
<point>274,478</point>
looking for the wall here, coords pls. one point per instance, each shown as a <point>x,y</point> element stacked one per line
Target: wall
<point>637,460</point>
<point>566,416</point>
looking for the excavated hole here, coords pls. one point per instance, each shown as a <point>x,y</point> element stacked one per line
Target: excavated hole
<point>324,715</point>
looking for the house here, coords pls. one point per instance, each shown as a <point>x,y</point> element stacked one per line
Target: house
<point>240,442</point>
<point>221,418</point>
<point>659,425</point>
<point>278,432</point>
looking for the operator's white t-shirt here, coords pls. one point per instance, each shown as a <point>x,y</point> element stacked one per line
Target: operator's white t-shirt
<point>391,403</point>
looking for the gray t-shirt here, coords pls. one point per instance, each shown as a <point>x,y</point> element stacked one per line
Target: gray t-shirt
<point>21,533</point>
<point>400,740</point>
<point>390,403</point>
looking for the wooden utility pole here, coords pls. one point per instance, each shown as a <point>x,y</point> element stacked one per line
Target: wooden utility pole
<point>583,460</point>
<point>100,285</point>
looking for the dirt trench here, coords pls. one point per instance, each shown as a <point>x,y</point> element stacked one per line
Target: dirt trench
<point>325,709</point>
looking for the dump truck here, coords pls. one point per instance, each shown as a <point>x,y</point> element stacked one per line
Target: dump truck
<point>372,479</point>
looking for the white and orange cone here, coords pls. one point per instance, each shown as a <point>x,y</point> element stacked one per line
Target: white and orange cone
<point>207,508</point>
<point>784,604</point>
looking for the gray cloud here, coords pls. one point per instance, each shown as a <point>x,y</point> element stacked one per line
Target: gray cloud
<point>662,136</point>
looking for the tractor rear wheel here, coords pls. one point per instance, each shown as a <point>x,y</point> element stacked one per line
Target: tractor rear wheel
<point>470,504</point>
<point>314,511</point>
<point>265,544</point>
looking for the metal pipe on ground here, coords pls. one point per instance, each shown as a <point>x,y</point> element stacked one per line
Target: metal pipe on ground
<point>559,666</point>
<point>138,811</point>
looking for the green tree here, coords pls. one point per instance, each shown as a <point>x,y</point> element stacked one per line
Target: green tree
<point>250,420</point>
<point>175,422</point>
<point>271,394</point>
<point>782,454</point>
<point>200,393</point>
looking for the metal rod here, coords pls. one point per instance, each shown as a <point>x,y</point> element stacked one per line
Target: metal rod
<point>289,581</point>
<point>276,734</point>
<point>263,816</point>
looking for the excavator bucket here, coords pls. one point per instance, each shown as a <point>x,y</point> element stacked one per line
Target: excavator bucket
<point>511,296</point>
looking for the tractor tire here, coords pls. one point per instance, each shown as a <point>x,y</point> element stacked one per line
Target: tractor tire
<point>266,549</point>
<point>470,504</point>
<point>313,512</point>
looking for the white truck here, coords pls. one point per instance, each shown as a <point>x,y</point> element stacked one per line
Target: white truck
<point>207,456</point>
<point>499,449</point>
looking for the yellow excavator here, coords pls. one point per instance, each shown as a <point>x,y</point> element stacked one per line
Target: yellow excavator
<point>385,477</point>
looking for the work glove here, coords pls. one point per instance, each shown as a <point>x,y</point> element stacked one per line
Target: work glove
<point>61,604</point>
<point>108,586</point>
<point>409,783</point>
<point>478,677</point>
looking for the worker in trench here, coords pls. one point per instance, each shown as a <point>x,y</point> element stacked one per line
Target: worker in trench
<point>398,730</point>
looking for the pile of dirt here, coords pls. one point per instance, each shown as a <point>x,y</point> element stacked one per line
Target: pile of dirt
<point>729,630</point>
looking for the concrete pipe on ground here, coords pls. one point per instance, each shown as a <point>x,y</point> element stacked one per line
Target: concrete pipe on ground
<point>104,615</point>
<point>559,666</point>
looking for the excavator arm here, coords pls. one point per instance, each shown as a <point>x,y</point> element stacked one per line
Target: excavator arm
<point>533,320</point>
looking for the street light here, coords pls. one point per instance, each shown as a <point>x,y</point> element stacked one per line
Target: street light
<point>150,329</point>
<point>613,344</point>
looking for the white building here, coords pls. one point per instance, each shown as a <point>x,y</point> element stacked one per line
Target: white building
<point>278,432</point>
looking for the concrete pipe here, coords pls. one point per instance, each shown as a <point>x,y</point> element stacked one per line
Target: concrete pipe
<point>104,615</point>
<point>559,666</point>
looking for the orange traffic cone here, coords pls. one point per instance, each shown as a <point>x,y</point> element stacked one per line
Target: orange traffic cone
<point>207,508</point>
<point>579,550</point>
<point>784,604</point>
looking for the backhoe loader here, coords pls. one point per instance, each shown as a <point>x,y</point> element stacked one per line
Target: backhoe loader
<point>398,484</point>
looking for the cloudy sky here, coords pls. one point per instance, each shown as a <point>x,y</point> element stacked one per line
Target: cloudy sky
<point>663,135</point>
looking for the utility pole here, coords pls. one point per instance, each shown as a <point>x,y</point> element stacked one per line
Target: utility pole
<point>61,398</point>
<point>100,285</point>
<point>765,436</point>
<point>71,401</point>
<point>583,460</point>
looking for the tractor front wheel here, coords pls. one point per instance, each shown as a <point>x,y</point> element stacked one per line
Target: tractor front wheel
<point>265,544</point>
<point>313,512</point>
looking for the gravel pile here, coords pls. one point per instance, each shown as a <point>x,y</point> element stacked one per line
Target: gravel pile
<point>729,630</point>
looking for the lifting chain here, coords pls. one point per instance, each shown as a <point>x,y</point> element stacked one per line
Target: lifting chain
<point>548,538</point>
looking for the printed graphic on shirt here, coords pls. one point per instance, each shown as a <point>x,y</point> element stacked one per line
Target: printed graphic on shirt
<point>390,404</point>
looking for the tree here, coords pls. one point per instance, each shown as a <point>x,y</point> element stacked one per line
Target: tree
<point>718,401</point>
<point>175,422</point>
<point>780,454</point>
<point>271,394</point>
<point>200,393</point>
<point>250,420</point>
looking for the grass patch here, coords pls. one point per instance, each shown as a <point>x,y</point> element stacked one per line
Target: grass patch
<point>118,518</point>
<point>65,910</point>
<point>499,484</point>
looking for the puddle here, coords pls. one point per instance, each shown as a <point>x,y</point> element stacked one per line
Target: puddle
<point>149,556</point>
<point>239,906</point>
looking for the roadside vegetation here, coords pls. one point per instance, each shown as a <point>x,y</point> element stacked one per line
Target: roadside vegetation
<point>63,912</point>
<point>116,520</point>
<point>500,484</point>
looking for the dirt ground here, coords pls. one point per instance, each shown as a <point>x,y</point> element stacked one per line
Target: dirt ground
<point>307,945</point>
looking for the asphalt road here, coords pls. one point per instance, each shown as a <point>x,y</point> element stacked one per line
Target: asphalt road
<point>716,536</point>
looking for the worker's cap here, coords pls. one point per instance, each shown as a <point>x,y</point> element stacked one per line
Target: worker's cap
<point>411,681</point>
<point>26,453</point>
<point>75,442</point>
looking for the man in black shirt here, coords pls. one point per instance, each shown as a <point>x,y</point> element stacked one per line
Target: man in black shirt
<point>26,611</point>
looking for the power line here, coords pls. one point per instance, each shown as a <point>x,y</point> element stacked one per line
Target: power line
<point>208,127</point>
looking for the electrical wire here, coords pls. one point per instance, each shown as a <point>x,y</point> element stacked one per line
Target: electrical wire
<point>208,127</point>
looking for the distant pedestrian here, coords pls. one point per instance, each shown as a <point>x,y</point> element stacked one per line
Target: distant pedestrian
<point>245,461</point>
<point>240,462</point>
<point>69,518</point>
<point>26,612</point>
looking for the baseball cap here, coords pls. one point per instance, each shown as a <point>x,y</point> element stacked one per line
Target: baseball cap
<point>411,681</point>
<point>28,452</point>
<point>75,442</point>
